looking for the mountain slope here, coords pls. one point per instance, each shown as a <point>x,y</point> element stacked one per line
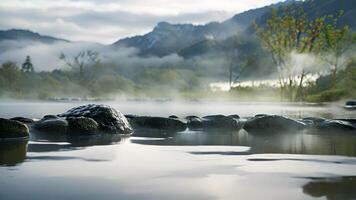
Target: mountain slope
<point>168,38</point>
<point>19,34</point>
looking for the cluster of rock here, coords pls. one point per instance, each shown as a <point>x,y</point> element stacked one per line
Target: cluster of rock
<point>83,120</point>
<point>95,119</point>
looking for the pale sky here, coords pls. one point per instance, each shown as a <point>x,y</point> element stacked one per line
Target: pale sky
<point>105,21</point>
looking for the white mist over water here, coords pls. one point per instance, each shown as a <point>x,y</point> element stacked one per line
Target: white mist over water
<point>182,108</point>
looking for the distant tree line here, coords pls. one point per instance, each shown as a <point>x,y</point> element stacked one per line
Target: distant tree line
<point>87,76</point>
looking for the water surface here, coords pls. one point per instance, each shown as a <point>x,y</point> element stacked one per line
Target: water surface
<point>188,165</point>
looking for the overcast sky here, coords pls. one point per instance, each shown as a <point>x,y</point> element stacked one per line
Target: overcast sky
<point>105,21</point>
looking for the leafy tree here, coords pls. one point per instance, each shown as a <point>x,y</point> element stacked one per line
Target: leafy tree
<point>286,31</point>
<point>10,74</point>
<point>337,43</point>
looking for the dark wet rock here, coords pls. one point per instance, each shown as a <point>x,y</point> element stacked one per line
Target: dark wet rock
<point>261,115</point>
<point>272,124</point>
<point>325,125</point>
<point>108,119</point>
<point>314,119</point>
<point>57,125</point>
<point>159,123</point>
<point>23,119</point>
<point>82,126</point>
<point>214,122</point>
<point>234,116</point>
<point>47,117</point>
<point>336,125</point>
<point>352,121</point>
<point>189,117</point>
<point>195,123</point>
<point>173,117</point>
<point>12,129</point>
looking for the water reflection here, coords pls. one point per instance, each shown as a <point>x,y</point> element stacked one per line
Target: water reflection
<point>12,152</point>
<point>332,188</point>
<point>296,143</point>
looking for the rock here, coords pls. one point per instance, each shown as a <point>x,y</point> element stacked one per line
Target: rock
<point>336,125</point>
<point>173,117</point>
<point>108,119</point>
<point>159,123</point>
<point>49,125</point>
<point>214,122</point>
<point>23,119</point>
<point>12,129</point>
<point>47,117</point>
<point>189,117</point>
<point>314,119</point>
<point>272,124</point>
<point>327,125</point>
<point>261,115</point>
<point>234,116</point>
<point>82,126</point>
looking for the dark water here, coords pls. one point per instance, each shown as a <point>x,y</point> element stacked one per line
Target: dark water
<point>188,165</point>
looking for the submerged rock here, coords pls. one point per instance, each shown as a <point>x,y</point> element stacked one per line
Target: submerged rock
<point>272,123</point>
<point>82,126</point>
<point>12,129</point>
<point>108,119</point>
<point>23,119</point>
<point>159,123</point>
<point>51,125</point>
<point>214,122</point>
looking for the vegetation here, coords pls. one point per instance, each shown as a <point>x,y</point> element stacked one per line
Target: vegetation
<point>290,31</point>
<point>287,32</point>
<point>89,78</point>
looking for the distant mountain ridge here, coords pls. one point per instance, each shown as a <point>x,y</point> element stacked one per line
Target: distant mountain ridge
<point>20,34</point>
<point>168,38</point>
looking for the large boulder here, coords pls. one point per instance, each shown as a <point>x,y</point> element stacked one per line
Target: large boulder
<point>23,119</point>
<point>159,123</point>
<point>212,122</point>
<point>82,126</point>
<point>12,129</point>
<point>272,124</point>
<point>108,119</point>
<point>52,125</point>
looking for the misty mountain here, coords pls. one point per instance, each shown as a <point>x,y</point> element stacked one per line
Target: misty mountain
<point>191,40</point>
<point>19,34</point>
<point>168,38</point>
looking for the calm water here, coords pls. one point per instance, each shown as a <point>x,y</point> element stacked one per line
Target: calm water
<point>188,165</point>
